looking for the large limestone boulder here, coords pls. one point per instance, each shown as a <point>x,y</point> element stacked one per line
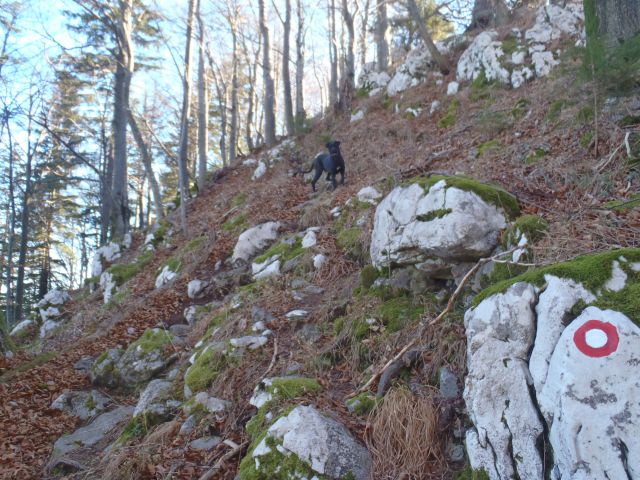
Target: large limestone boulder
<point>81,404</point>
<point>551,362</point>
<point>50,310</point>
<point>439,222</point>
<point>155,400</point>
<point>144,358</point>
<point>104,256</point>
<point>255,240</point>
<point>319,444</point>
<point>92,434</point>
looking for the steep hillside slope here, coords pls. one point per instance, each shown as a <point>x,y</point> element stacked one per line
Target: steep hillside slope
<point>253,351</point>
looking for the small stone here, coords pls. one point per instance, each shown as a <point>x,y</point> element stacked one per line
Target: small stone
<point>180,330</point>
<point>206,443</point>
<point>452,88</point>
<point>310,333</point>
<point>448,384</point>
<point>309,239</point>
<point>189,425</point>
<point>456,453</point>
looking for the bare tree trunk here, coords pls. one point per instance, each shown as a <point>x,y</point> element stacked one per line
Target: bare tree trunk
<point>362,39</point>
<point>269,94</point>
<point>203,107</point>
<point>233,128</point>
<point>616,20</point>
<point>183,174</point>
<point>300,112</point>
<point>380,36</point>
<point>148,166</point>
<point>286,77</point>
<point>11,225</point>
<point>124,72</point>
<point>348,80</point>
<point>440,60</point>
<point>333,57</point>
<point>252,65</point>
<point>489,14</point>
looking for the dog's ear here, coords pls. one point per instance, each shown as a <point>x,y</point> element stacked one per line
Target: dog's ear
<point>328,144</point>
<point>337,144</point>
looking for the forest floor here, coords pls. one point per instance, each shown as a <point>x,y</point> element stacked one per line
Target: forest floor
<point>526,140</point>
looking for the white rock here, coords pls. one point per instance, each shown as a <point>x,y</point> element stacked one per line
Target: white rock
<point>260,170</point>
<point>469,229</point>
<point>483,55</point>
<point>517,58</point>
<point>297,314</point>
<point>590,398</point>
<point>106,253</point>
<point>54,297</point>
<point>211,404</point>
<point>260,395</point>
<point>554,304</point>
<point>543,62</point>
<point>195,288</point>
<point>552,21</point>
<point>618,278</point>
<point>500,332</point>
<point>151,398</point>
<point>127,240</point>
<point>452,88</point>
<point>149,238</point>
<point>48,313</point>
<point>251,341</point>
<point>414,112</point>
<point>359,115</point>
<point>435,106</point>
<point>369,195</point>
<point>335,211</point>
<point>21,327</point>
<point>319,260</point>
<point>166,275</point>
<point>321,442</point>
<point>521,76</point>
<point>399,83</point>
<point>309,239</point>
<point>269,268</point>
<point>254,240</point>
<point>250,162</point>
<point>47,326</point>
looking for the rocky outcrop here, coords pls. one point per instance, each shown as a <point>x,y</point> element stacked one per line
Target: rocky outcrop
<point>103,257</point>
<point>548,360</point>
<point>320,444</point>
<point>144,358</point>
<point>255,240</point>
<point>439,222</point>
<point>49,309</point>
<point>83,405</point>
<point>156,399</point>
<point>522,55</point>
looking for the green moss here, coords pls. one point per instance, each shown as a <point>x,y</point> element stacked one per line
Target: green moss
<point>286,388</point>
<point>481,87</point>
<point>160,234</point>
<point>138,427</point>
<point>470,474</point>
<point>36,361</point>
<point>368,275</point>
<point>91,280</point>
<point>398,312</point>
<point>510,45</point>
<point>239,200</point>
<point>123,272</point>
<point>532,226</point>
<point>433,214</point>
<point>363,91</point>
<point>234,224</point>
<point>585,115</point>
<point>208,365</point>
<point>555,110</point>
<point>535,156</point>
<point>174,264</point>
<point>492,194</point>
<point>490,146</point>
<point>194,244</point>
<point>286,251</point>
<point>362,404</point>
<point>449,118</point>
<point>90,403</point>
<point>585,140</point>
<point>152,339</point>
<point>626,300</point>
<point>592,270</point>
<point>350,241</point>
<point>387,102</point>
<point>520,108</point>
<point>491,122</point>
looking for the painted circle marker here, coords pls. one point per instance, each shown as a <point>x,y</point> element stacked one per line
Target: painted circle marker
<point>597,339</point>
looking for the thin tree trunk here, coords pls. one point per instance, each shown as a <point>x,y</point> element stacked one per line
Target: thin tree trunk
<point>124,72</point>
<point>233,128</point>
<point>203,108</point>
<point>440,60</point>
<point>253,69</point>
<point>183,173</point>
<point>348,80</point>
<point>333,57</point>
<point>380,36</point>
<point>147,162</point>
<point>11,225</point>
<point>300,112</point>
<point>286,77</point>
<point>269,93</point>
<point>362,39</point>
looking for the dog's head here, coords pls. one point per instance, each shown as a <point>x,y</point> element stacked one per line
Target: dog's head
<point>334,148</point>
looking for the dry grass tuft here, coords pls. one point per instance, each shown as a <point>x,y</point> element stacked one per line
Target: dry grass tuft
<point>403,437</point>
<point>316,213</point>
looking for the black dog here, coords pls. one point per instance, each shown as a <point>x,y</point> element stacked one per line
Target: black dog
<point>331,162</point>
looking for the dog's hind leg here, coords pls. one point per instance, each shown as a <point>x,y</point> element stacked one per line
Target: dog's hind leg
<point>342,177</point>
<point>317,175</point>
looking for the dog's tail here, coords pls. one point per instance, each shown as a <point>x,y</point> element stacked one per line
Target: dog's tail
<point>303,172</point>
